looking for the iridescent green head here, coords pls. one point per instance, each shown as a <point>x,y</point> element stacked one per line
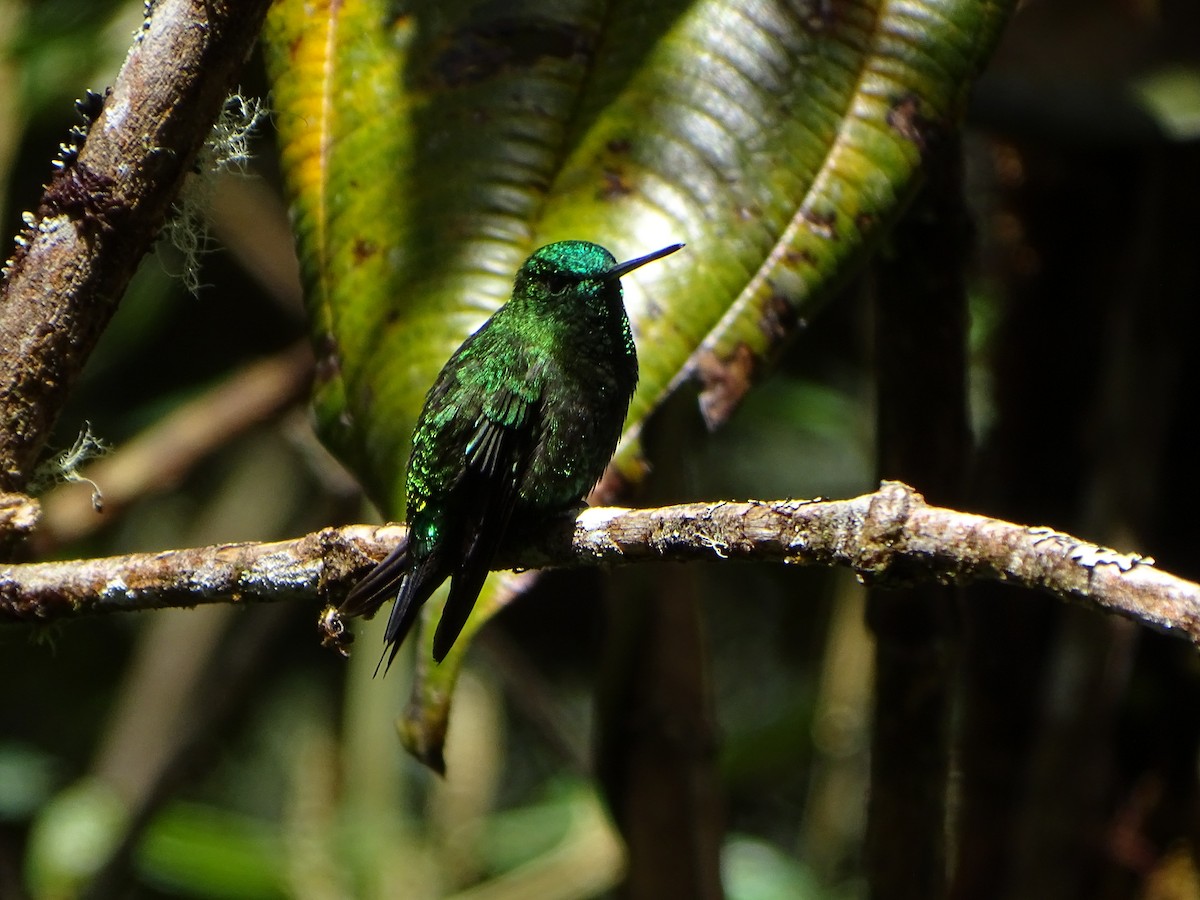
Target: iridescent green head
<point>554,270</point>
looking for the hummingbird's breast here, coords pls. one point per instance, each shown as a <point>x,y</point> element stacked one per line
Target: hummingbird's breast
<point>585,398</point>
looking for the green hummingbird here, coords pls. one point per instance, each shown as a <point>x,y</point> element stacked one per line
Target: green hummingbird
<point>520,424</point>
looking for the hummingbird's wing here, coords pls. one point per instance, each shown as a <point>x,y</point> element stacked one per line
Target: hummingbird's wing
<point>473,444</point>
<point>497,456</point>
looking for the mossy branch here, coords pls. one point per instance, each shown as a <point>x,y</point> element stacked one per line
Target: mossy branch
<point>889,537</point>
<point>104,206</point>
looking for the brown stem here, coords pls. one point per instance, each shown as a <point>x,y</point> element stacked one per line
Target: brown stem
<point>891,536</point>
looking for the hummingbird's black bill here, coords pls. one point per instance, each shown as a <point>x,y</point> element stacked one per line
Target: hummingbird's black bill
<point>626,267</point>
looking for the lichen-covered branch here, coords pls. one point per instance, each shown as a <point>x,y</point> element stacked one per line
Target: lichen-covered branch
<point>19,516</point>
<point>889,537</point>
<point>103,207</point>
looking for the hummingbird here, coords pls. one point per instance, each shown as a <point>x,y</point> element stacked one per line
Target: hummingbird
<point>519,425</point>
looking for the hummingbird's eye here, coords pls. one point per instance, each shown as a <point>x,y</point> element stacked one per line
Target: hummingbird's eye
<point>557,283</point>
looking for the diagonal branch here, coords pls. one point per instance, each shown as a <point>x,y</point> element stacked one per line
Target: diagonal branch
<point>103,207</point>
<point>163,453</point>
<point>890,537</point>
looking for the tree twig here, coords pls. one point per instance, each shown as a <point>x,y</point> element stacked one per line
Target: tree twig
<point>889,537</point>
<point>103,207</point>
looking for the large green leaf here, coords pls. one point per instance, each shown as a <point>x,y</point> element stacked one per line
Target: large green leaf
<point>430,146</point>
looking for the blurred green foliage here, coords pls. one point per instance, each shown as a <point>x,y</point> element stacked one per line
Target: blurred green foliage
<point>265,766</point>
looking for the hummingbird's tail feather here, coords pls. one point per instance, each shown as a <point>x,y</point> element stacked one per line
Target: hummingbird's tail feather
<point>464,591</point>
<point>379,586</point>
<point>417,584</point>
<point>495,490</point>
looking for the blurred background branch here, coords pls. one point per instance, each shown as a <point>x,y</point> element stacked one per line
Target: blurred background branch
<point>162,455</point>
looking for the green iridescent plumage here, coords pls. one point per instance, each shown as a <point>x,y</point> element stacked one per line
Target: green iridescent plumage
<point>519,425</point>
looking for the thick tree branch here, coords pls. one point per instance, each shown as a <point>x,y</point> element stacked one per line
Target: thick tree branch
<point>19,515</point>
<point>103,208</point>
<point>889,537</point>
